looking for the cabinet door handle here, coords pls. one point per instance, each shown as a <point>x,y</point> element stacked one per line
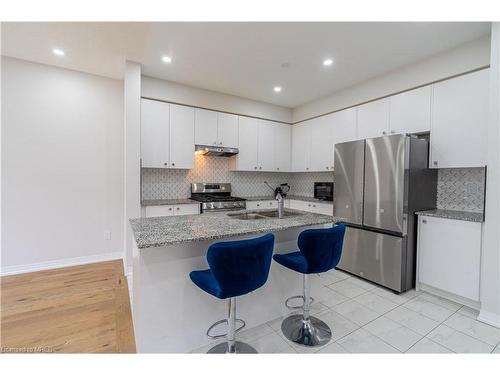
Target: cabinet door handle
<point>173,164</point>
<point>393,131</point>
<point>260,167</point>
<point>435,162</point>
<point>424,221</point>
<point>384,133</point>
<point>277,169</point>
<point>165,164</point>
<point>220,143</point>
<point>170,208</point>
<point>327,167</point>
<point>178,208</point>
<point>307,168</point>
<point>254,167</point>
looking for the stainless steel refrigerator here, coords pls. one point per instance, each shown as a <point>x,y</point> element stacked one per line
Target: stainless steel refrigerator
<point>379,184</point>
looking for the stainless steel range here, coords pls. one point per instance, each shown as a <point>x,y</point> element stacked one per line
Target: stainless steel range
<point>216,197</point>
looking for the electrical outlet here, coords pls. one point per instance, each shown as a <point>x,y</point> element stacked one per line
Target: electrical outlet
<point>107,235</point>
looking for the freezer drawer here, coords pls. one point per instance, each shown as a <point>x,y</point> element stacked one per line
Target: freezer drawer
<point>374,256</point>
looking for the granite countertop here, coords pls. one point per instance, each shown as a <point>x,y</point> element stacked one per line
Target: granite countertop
<point>294,197</point>
<point>455,215</point>
<point>164,202</point>
<point>167,230</point>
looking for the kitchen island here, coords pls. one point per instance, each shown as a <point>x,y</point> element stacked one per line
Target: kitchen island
<point>170,313</point>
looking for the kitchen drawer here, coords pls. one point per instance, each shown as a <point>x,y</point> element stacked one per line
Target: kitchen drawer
<point>172,210</point>
<point>259,205</point>
<point>154,211</point>
<point>187,209</point>
<point>318,208</point>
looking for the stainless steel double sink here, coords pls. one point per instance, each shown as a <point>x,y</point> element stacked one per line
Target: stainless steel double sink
<point>261,215</point>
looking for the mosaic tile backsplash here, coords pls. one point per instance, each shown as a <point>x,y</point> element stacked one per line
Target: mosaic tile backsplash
<point>176,183</point>
<point>461,189</point>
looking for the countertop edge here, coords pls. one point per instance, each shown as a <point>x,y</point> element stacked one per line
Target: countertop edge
<point>476,217</point>
<point>330,220</point>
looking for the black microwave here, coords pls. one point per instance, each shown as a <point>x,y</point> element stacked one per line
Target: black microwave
<point>323,191</point>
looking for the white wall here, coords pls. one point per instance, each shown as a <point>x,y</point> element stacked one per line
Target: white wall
<point>490,257</point>
<point>469,56</point>
<point>62,166</point>
<point>182,94</point>
<point>132,166</point>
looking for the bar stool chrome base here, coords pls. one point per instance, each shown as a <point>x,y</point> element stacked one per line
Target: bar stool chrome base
<point>311,332</point>
<point>240,347</point>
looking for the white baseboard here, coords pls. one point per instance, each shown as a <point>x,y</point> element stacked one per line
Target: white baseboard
<point>451,296</point>
<point>14,270</point>
<point>489,318</point>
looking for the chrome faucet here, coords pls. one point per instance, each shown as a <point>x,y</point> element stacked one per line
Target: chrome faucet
<point>279,198</point>
<point>281,205</point>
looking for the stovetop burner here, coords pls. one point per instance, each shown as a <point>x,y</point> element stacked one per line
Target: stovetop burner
<point>216,197</point>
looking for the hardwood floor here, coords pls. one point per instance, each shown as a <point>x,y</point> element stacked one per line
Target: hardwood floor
<point>82,309</point>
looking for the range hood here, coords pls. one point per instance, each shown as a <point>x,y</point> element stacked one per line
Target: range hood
<point>216,150</point>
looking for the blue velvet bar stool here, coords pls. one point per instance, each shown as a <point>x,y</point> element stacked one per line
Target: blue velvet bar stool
<point>319,251</point>
<point>236,268</point>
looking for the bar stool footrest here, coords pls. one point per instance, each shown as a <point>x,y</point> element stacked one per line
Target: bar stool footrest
<point>241,321</point>
<point>289,299</point>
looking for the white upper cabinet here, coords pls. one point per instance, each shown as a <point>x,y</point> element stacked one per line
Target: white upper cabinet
<point>263,146</point>
<point>266,146</point>
<point>282,147</point>
<point>216,128</point>
<point>373,119</point>
<point>301,147</point>
<point>411,111</point>
<point>205,127</point>
<point>155,137</point>
<point>248,144</point>
<point>343,125</point>
<point>181,137</point>
<point>459,121</point>
<point>227,130</point>
<point>167,135</point>
<point>321,144</point>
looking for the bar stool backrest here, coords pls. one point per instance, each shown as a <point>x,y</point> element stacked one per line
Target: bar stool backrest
<point>240,267</point>
<point>322,248</point>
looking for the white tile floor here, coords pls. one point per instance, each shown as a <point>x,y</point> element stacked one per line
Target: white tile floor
<point>365,318</point>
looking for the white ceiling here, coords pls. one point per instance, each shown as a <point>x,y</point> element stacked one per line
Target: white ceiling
<point>243,59</point>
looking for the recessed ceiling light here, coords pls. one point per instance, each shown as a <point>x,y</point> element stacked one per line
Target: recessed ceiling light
<point>327,62</point>
<point>277,89</point>
<point>58,52</point>
<point>166,59</point>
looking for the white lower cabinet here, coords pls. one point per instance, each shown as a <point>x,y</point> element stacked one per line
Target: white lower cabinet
<point>448,254</point>
<point>259,205</point>
<point>314,207</point>
<point>172,210</point>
